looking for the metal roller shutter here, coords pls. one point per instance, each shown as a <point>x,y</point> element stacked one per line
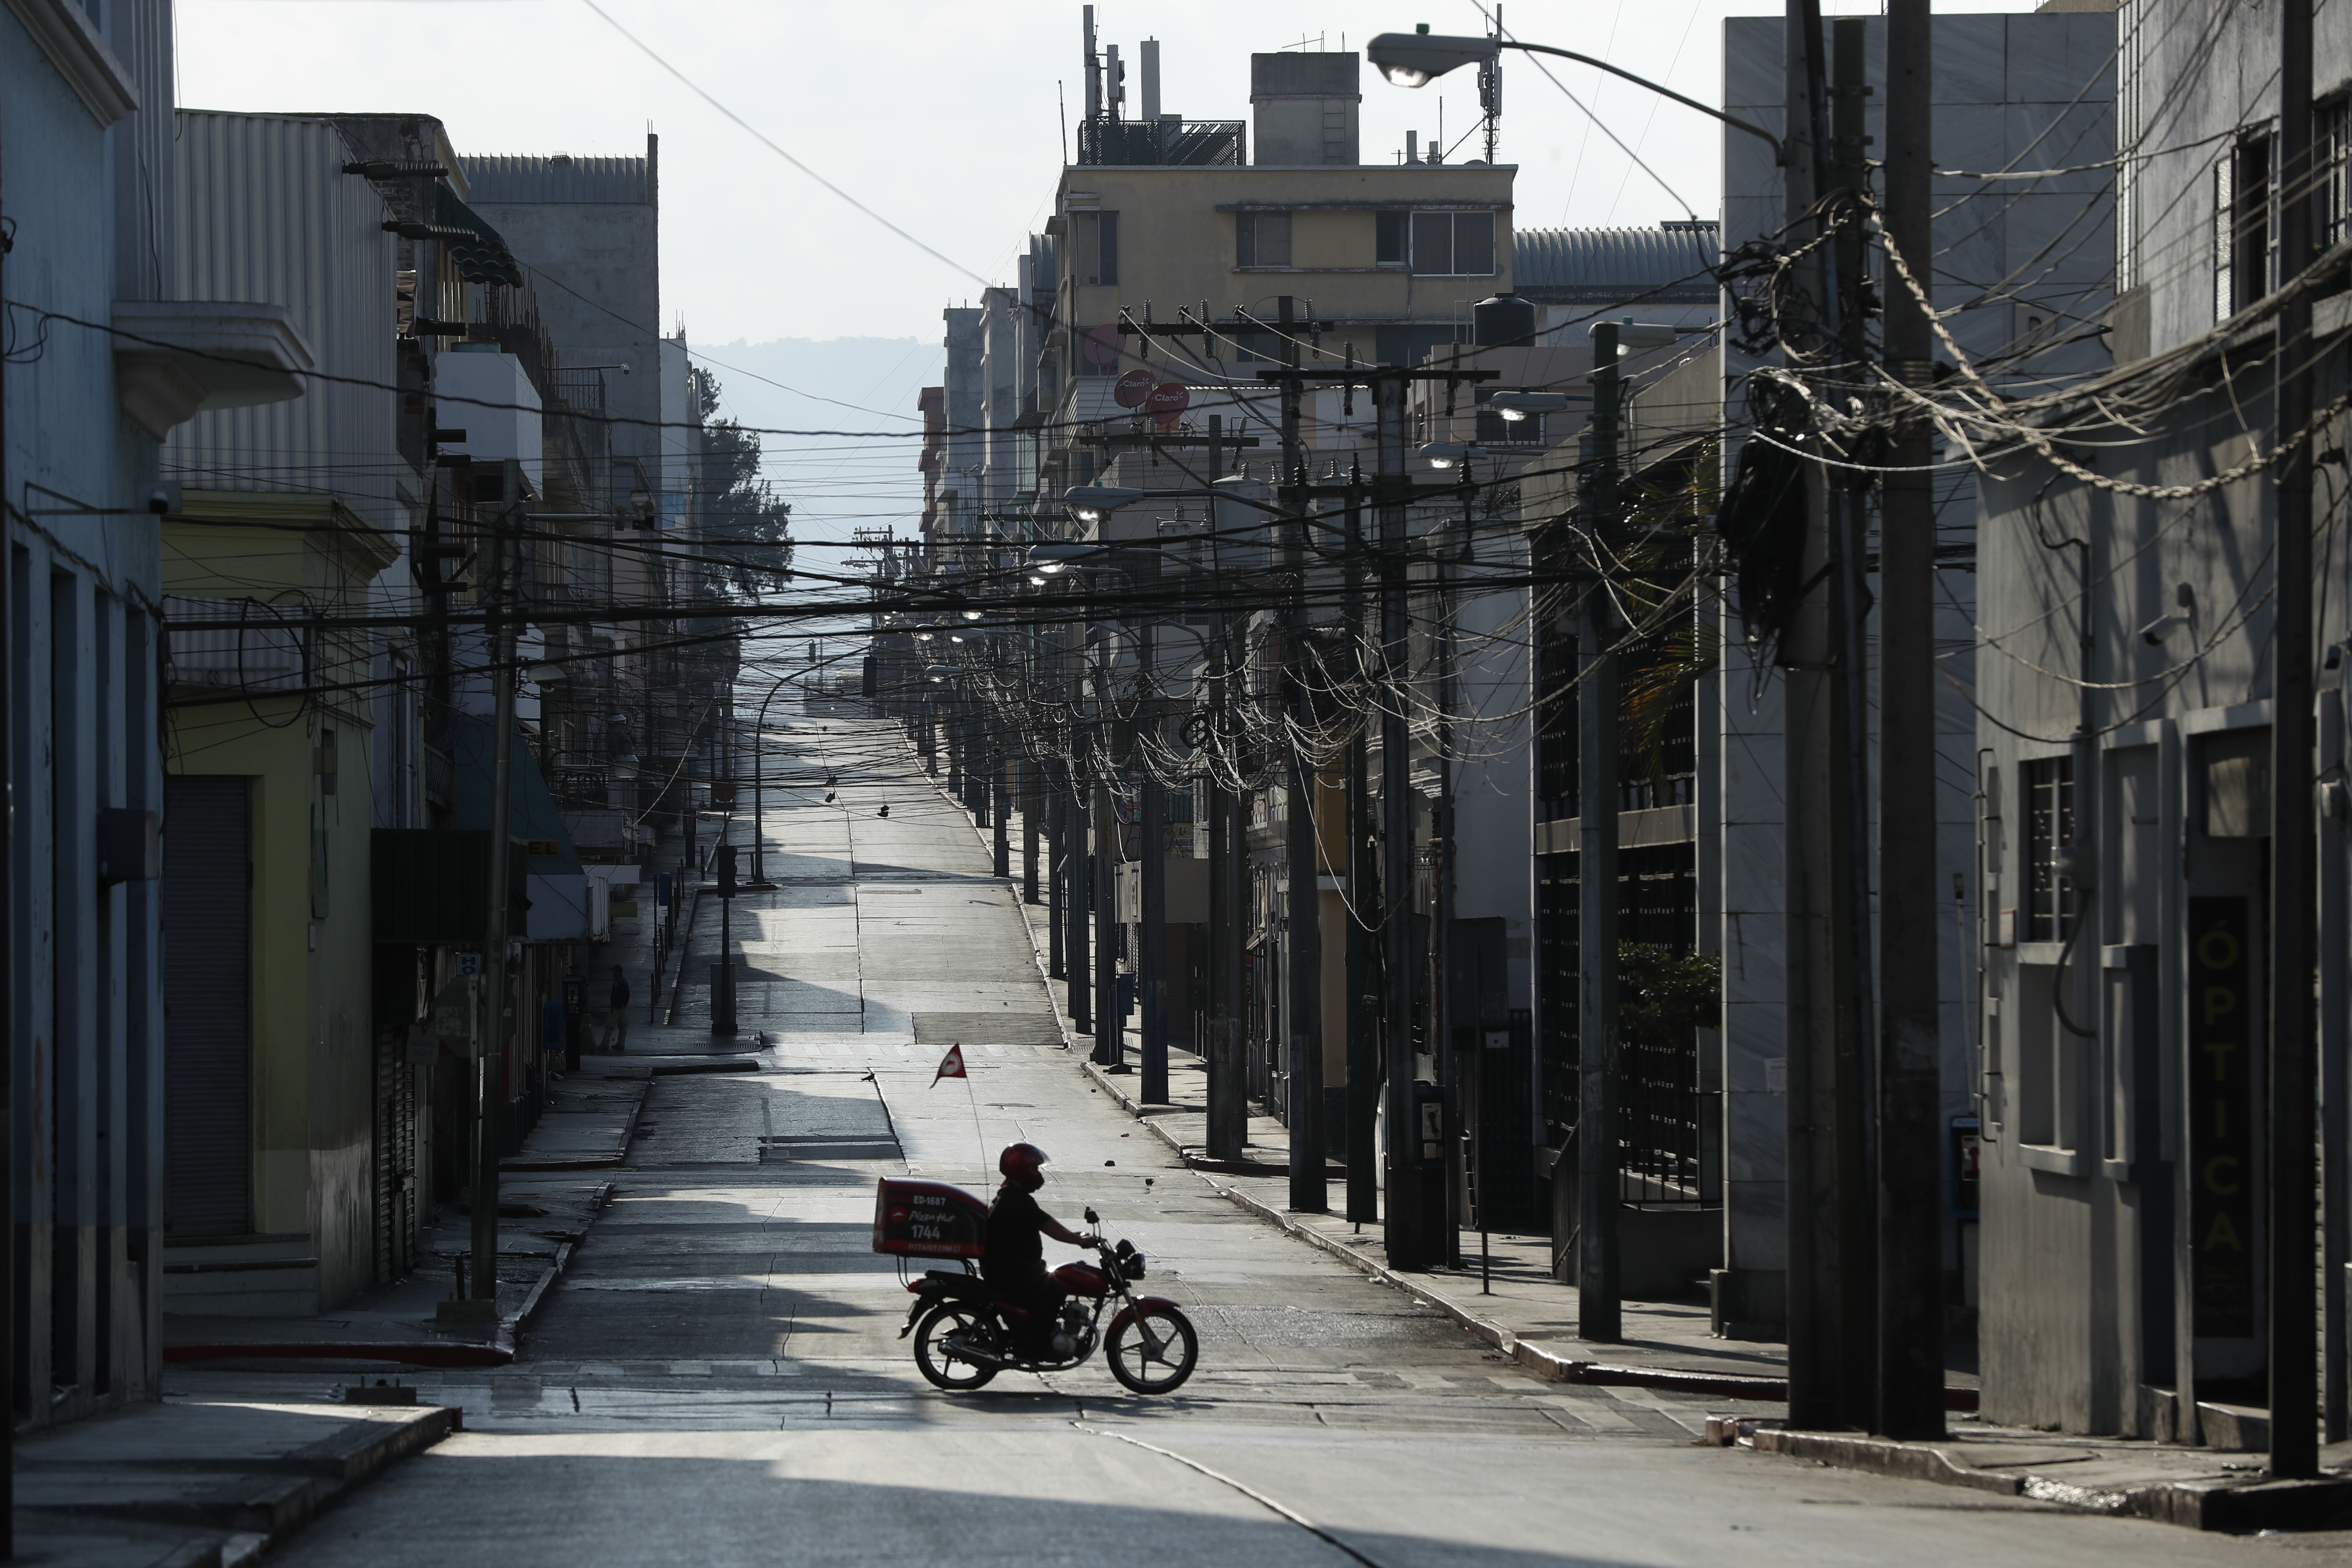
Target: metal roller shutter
<point>207,967</point>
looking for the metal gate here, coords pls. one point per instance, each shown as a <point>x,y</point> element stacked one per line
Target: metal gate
<point>207,1009</point>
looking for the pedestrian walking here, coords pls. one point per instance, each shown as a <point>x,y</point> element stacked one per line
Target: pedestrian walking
<point>616,1030</point>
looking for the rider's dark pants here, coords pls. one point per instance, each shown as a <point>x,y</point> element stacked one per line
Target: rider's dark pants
<point>1043,1295</point>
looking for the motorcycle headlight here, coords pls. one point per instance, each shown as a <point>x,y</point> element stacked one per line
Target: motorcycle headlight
<point>1133,1265</point>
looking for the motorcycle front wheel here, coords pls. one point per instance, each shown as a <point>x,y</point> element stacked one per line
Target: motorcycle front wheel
<point>939,1362</point>
<point>1153,1351</point>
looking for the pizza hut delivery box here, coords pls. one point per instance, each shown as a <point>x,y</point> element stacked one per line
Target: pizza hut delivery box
<point>927,1219</point>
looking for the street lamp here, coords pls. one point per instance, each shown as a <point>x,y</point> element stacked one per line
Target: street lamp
<point>1446,454</point>
<point>1418,58</point>
<point>1515,406</point>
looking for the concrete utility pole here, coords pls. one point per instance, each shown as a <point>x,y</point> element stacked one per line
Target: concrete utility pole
<point>1823,1120</point>
<point>1228,1107</point>
<point>1309,1191</point>
<point>1404,1220</point>
<point>1910,1401</point>
<point>1363,1043</point>
<point>2295,887</point>
<point>483,1192</point>
<point>1151,963</point>
<point>1599,1306</point>
<point>1029,795</point>
<point>1080,967</point>
<point>1057,874</point>
<point>1110,1029</point>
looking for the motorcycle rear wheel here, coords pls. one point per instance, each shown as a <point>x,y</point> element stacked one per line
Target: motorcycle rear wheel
<point>937,1363</point>
<point>1153,1350</point>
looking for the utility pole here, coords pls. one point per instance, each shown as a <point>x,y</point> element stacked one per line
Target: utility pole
<point>1821,1028</point>
<point>2295,887</point>
<point>1363,1043</point>
<point>1304,1006</point>
<point>491,1037</point>
<point>1151,935</point>
<point>1228,1107</point>
<point>1910,1403</point>
<point>1600,1307</point>
<point>1058,872</point>
<point>1029,793</point>
<point>1110,1029</point>
<point>1403,1233</point>
<point>1000,807</point>
<point>1080,967</point>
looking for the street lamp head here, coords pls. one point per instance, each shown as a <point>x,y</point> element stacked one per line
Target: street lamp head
<point>1517,405</point>
<point>941,673</point>
<point>1633,334</point>
<point>1092,503</point>
<point>1416,59</point>
<point>1446,454</point>
<point>544,671</point>
<point>1051,558</point>
<point>971,614</point>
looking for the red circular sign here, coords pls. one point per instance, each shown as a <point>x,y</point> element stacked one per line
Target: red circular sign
<point>1170,397</point>
<point>1132,389</point>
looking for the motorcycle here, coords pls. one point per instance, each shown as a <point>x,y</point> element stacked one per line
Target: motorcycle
<point>966,1331</point>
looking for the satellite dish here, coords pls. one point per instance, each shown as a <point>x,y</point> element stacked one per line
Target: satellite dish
<point>1132,389</point>
<point>1168,398</point>
<point>1103,346</point>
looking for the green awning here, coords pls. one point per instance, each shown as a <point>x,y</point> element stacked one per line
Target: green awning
<point>488,262</point>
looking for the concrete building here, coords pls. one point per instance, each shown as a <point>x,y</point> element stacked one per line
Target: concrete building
<point>2024,279</point>
<point>2123,764</point>
<point>85,117</point>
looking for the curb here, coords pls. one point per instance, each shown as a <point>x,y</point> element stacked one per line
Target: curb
<point>310,1479</point>
<point>2221,1505</point>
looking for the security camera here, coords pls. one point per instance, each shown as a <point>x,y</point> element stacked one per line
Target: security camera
<point>163,497</point>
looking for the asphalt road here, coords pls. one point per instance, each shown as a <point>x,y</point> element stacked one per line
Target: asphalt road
<point>720,1380</point>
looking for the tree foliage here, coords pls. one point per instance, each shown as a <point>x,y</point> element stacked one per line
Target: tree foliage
<point>743,517</point>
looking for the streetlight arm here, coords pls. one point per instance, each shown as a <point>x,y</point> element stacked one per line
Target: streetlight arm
<point>1415,59</point>
<point>1780,154</point>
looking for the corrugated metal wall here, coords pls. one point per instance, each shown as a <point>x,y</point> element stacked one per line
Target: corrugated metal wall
<point>266,213</point>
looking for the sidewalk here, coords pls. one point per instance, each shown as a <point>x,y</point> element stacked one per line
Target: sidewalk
<point>201,1482</point>
<point>1513,1303</point>
<point>549,1193</point>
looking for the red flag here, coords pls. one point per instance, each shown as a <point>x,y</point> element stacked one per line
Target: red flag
<point>951,1065</point>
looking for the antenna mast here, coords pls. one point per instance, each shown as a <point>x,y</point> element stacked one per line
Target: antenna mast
<point>1490,90</point>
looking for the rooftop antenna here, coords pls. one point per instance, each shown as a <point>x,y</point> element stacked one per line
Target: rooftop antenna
<point>1094,69</point>
<point>1490,90</point>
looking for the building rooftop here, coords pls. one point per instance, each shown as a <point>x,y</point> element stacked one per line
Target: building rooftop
<point>559,177</point>
<point>1667,265</point>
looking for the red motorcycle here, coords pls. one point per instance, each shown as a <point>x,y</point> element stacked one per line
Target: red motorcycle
<point>966,1331</point>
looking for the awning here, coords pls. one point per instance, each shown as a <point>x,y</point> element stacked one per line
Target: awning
<point>488,262</point>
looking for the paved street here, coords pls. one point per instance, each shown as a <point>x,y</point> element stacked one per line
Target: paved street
<point>719,1379</point>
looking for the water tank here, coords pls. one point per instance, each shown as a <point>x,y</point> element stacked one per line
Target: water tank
<point>1503,319</point>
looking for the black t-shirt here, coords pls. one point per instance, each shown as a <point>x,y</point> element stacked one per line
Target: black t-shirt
<point>1017,1247</point>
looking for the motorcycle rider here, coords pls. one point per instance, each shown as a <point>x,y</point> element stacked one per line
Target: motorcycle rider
<point>1014,1262</point>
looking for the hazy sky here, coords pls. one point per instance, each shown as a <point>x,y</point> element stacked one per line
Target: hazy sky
<point>940,116</point>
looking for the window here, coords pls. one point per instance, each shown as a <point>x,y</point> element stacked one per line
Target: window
<point>2331,152</point>
<point>2049,833</point>
<point>1095,257</point>
<point>2243,235</point>
<point>1387,248</point>
<point>1453,244</point>
<point>1262,239</point>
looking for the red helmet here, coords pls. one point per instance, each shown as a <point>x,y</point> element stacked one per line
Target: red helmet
<point>1019,1164</point>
